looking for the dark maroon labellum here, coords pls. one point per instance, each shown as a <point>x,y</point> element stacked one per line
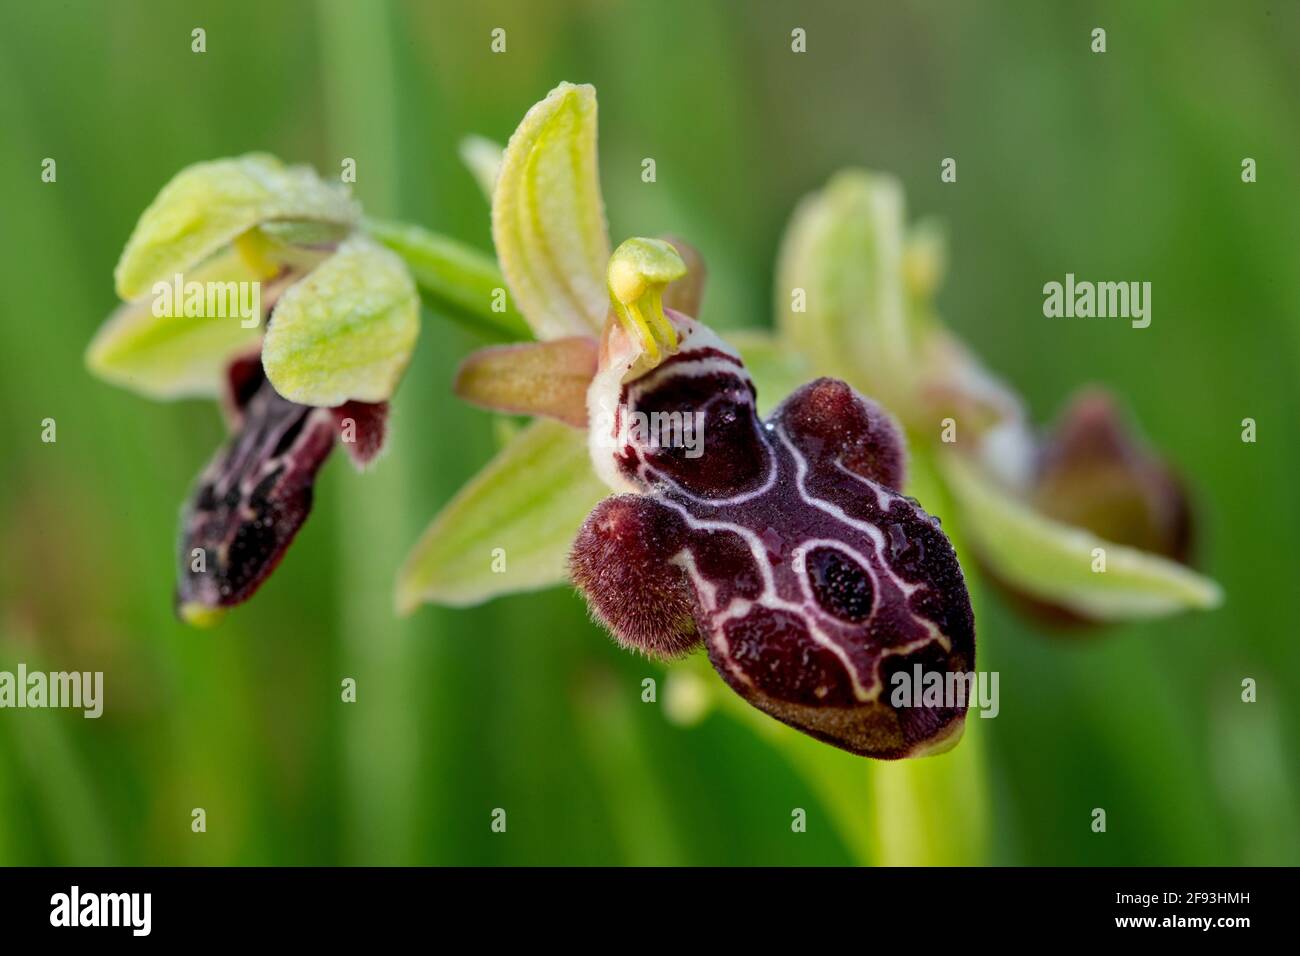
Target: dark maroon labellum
<point>248,504</point>
<point>786,550</point>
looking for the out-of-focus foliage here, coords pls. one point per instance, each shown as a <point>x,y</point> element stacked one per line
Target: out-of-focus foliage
<point>1123,165</point>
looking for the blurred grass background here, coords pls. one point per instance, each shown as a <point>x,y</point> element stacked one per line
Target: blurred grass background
<point>1119,166</point>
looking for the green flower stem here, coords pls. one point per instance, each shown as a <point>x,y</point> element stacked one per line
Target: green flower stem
<point>455,280</point>
<point>630,784</point>
<point>935,810</point>
<point>841,781</point>
<point>381,737</point>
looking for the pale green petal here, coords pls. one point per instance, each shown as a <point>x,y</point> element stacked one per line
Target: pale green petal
<point>511,527</point>
<point>777,369</point>
<point>483,157</point>
<point>346,331</point>
<point>842,261</point>
<point>1054,562</point>
<point>207,205</point>
<point>174,356</point>
<point>531,378</point>
<point>548,218</point>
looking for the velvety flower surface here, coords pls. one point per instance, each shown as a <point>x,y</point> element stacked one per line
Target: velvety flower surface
<point>784,548</point>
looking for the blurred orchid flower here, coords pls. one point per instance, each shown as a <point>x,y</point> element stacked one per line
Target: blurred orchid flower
<point>255,283</point>
<point>1086,525</point>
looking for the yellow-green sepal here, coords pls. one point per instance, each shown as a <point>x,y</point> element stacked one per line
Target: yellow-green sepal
<point>840,292</point>
<point>548,217</point>
<point>1066,566</point>
<point>206,206</point>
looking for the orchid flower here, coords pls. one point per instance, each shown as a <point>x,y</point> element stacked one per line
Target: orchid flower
<point>1087,525</point>
<point>510,529</point>
<point>256,283</point>
<point>784,547</point>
